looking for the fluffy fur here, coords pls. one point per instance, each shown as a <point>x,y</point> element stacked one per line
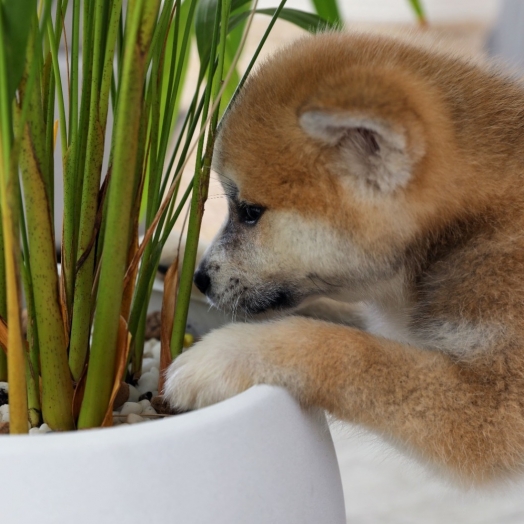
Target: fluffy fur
<point>389,180</point>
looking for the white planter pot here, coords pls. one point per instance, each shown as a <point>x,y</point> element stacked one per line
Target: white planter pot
<point>257,458</point>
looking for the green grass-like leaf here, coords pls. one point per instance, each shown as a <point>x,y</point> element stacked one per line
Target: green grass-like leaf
<point>204,24</point>
<point>328,10</point>
<point>309,21</point>
<point>419,10</point>
<point>17,26</point>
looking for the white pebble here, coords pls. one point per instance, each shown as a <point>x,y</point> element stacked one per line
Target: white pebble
<point>155,351</point>
<point>147,382</point>
<point>132,418</point>
<point>4,413</point>
<point>134,394</point>
<point>144,403</point>
<point>34,431</point>
<point>154,371</point>
<point>131,407</point>
<point>150,410</point>
<point>44,428</point>
<point>147,349</point>
<point>147,364</point>
<point>4,386</point>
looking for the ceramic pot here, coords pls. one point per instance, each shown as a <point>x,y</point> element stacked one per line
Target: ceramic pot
<point>257,458</point>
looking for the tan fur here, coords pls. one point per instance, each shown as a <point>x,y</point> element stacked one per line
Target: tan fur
<point>393,177</point>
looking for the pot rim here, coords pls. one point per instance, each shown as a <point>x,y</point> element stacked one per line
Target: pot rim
<point>192,421</point>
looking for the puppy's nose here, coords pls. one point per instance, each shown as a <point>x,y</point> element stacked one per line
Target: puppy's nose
<point>202,281</point>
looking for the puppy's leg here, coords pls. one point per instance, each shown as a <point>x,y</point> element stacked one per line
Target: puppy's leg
<point>466,417</point>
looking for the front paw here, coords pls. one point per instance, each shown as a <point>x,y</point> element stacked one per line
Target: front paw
<point>222,365</point>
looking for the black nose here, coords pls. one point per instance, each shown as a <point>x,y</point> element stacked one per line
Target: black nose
<point>202,280</point>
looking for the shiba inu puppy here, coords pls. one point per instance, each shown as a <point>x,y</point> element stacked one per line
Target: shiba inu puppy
<point>389,180</point>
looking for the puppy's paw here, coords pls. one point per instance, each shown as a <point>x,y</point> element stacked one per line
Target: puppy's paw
<point>222,365</point>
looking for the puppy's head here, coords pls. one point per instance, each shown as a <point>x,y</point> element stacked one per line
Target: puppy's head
<point>328,164</point>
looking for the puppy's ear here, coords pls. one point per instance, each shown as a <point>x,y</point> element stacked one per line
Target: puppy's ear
<point>370,149</point>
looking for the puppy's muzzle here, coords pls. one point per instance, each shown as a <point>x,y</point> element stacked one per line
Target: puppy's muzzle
<point>202,281</point>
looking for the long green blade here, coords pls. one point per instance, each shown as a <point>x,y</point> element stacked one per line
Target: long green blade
<point>419,10</point>
<point>328,10</point>
<point>17,26</point>
<point>308,21</point>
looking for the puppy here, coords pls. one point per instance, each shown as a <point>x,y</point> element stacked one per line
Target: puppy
<point>375,174</point>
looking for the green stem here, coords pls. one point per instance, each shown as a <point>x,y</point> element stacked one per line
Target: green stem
<point>49,112</point>
<point>107,72</point>
<point>3,304</point>
<point>138,342</point>
<point>201,180</point>
<point>161,131</point>
<point>16,370</point>
<point>146,286</point>
<point>173,90</point>
<point>3,366</point>
<point>75,162</point>
<point>33,360</point>
<point>53,47</point>
<point>81,325</point>
<point>57,391</point>
<point>34,412</point>
<point>75,51</point>
<point>140,24</point>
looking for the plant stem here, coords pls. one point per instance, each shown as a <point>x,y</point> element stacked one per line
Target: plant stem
<point>201,179</point>
<point>3,366</point>
<point>170,107</point>
<point>16,371</point>
<point>73,94</point>
<point>100,87</point>
<point>33,360</point>
<point>49,112</point>
<point>53,46</point>
<point>141,18</point>
<point>75,162</point>
<point>3,303</point>
<point>57,390</point>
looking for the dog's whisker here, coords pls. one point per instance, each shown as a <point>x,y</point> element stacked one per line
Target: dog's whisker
<point>216,196</point>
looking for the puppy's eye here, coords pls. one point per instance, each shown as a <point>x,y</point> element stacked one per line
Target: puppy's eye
<point>249,214</point>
